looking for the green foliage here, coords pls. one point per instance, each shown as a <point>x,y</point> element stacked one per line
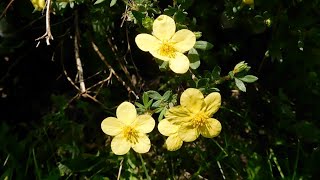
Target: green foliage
<point>262,58</point>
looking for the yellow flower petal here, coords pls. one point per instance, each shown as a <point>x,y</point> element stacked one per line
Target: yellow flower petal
<point>119,145</point>
<point>212,128</point>
<point>174,142</point>
<point>126,112</point>
<point>164,27</point>
<point>111,126</point>
<point>178,115</point>
<point>147,42</point>
<point>213,103</point>
<point>183,40</point>
<point>179,64</point>
<point>188,133</point>
<point>143,145</point>
<point>166,128</point>
<point>192,99</point>
<point>144,123</point>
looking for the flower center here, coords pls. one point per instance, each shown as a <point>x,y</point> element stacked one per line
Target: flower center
<point>130,134</point>
<point>167,49</point>
<point>199,120</point>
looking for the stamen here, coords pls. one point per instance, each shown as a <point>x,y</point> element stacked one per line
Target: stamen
<point>130,134</point>
<point>199,120</point>
<point>167,49</point>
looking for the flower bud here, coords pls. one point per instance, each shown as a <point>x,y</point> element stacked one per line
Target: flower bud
<point>268,22</point>
<point>241,66</point>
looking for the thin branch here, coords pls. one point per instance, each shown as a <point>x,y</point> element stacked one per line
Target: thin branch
<point>6,9</point>
<point>108,79</point>
<point>47,35</point>
<point>103,59</point>
<point>77,55</point>
<point>99,89</point>
<point>120,168</point>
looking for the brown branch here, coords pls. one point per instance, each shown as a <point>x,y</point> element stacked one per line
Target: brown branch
<point>6,9</point>
<point>77,55</point>
<point>47,35</point>
<point>103,59</point>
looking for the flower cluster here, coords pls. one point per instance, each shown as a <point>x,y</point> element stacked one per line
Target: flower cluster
<point>182,123</point>
<point>191,118</point>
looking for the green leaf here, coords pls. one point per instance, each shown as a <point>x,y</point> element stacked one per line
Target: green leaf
<point>249,78</point>
<point>145,98</point>
<point>166,95</point>
<point>216,72</point>
<point>113,2</point>
<point>154,95</point>
<point>240,85</point>
<point>98,2</point>
<point>157,104</point>
<point>139,105</point>
<point>160,117</point>
<point>203,45</point>
<point>194,58</point>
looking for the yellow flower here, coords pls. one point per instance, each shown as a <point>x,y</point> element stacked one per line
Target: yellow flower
<point>38,4</point>
<point>173,142</point>
<point>249,2</point>
<point>168,45</point>
<point>193,115</point>
<point>129,130</point>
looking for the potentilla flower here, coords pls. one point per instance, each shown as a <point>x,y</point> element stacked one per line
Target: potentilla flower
<point>168,45</point>
<point>193,115</point>
<point>129,130</point>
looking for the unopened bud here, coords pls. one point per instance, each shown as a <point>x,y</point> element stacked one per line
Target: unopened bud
<point>268,22</point>
<point>241,66</point>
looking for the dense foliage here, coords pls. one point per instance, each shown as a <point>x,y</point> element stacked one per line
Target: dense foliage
<point>261,56</point>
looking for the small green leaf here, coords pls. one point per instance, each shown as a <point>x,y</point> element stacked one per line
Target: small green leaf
<point>216,72</point>
<point>145,98</point>
<point>98,2</point>
<point>156,104</point>
<point>113,2</point>
<point>240,85</point>
<point>139,105</point>
<point>249,78</point>
<point>194,58</point>
<point>154,95</point>
<point>166,95</point>
<point>203,45</point>
<point>160,117</point>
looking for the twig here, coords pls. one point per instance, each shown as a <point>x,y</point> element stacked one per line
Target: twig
<point>120,60</point>
<point>221,170</point>
<point>108,79</point>
<point>103,59</point>
<point>67,76</point>
<point>120,168</point>
<point>47,35</point>
<point>6,9</point>
<point>77,56</point>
